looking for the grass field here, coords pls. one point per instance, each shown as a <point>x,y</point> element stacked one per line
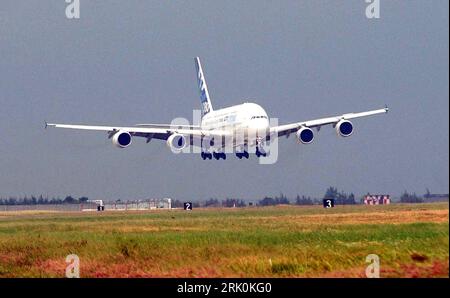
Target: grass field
<point>286,241</point>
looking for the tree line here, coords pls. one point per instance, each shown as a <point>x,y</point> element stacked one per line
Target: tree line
<point>410,198</point>
<point>340,197</point>
<point>41,200</point>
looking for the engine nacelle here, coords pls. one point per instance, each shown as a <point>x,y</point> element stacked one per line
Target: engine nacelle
<point>176,142</point>
<point>121,139</point>
<point>305,135</point>
<point>344,128</point>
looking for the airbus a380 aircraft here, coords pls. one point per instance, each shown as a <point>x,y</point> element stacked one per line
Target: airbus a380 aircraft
<point>243,126</point>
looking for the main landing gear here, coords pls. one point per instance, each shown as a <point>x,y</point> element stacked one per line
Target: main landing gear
<point>206,155</point>
<point>220,155</point>
<point>240,155</point>
<point>216,155</point>
<point>260,152</point>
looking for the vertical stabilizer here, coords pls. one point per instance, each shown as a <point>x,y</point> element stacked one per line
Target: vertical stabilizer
<point>203,88</point>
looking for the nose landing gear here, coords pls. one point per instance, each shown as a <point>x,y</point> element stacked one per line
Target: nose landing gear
<point>216,155</point>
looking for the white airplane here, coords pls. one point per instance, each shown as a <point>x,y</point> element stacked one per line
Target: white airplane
<point>249,121</point>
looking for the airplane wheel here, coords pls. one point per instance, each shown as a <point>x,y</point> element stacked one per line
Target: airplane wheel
<point>260,153</point>
<point>263,153</point>
<point>246,154</point>
<point>224,156</point>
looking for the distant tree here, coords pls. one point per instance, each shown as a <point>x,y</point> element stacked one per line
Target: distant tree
<point>41,200</point>
<point>177,204</point>
<point>331,193</point>
<point>233,203</point>
<point>410,198</point>
<point>341,198</point>
<point>212,203</point>
<point>351,199</point>
<point>83,199</point>
<point>69,200</point>
<point>303,200</point>
<point>278,200</point>
<point>282,200</point>
<point>240,203</point>
<point>267,201</point>
<point>228,203</point>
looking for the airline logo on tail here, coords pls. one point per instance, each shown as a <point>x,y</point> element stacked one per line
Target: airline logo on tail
<point>203,88</point>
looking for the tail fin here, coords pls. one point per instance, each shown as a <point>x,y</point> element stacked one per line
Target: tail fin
<point>203,88</point>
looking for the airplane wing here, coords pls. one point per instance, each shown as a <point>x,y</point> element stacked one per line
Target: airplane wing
<point>287,129</point>
<point>167,125</point>
<point>150,132</point>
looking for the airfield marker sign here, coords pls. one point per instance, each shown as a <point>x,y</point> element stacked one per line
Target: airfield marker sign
<point>188,206</point>
<point>328,203</point>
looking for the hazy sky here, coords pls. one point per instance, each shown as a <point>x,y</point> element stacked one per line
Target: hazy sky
<point>127,62</point>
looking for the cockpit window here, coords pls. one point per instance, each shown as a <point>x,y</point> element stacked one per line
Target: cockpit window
<point>259,117</point>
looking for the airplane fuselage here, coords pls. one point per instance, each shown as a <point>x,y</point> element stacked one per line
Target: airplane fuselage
<point>249,119</point>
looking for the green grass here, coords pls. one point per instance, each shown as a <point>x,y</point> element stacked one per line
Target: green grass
<point>411,240</point>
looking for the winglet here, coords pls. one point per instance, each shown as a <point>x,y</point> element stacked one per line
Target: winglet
<point>49,124</point>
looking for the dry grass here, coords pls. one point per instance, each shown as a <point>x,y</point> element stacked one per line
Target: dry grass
<point>411,240</point>
<point>398,217</point>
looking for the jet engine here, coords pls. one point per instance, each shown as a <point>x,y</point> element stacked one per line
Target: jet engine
<point>305,135</point>
<point>121,139</point>
<point>176,142</point>
<point>344,128</point>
